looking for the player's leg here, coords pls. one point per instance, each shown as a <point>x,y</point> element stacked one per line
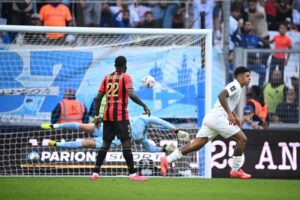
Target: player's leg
<point>85,143</point>
<point>108,136</point>
<point>227,130</point>
<point>202,137</point>
<point>196,144</point>
<point>124,134</point>
<point>74,126</point>
<point>236,171</point>
<point>89,128</point>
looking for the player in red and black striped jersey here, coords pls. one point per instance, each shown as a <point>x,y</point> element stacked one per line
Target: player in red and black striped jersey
<point>117,87</point>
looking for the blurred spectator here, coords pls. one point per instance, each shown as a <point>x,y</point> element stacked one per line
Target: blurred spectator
<point>156,11</point>
<point>125,20</point>
<point>255,65</point>
<point>271,12</point>
<point>295,84</point>
<point>55,14</point>
<point>256,14</point>
<point>287,112</point>
<point>164,12</point>
<point>122,5</point>
<point>203,14</point>
<point>296,14</point>
<point>106,16</point>
<point>148,21</point>
<point>282,42</point>
<point>248,39</point>
<point>178,21</point>
<point>234,24</point>
<point>140,9</point>
<point>91,13</point>
<point>21,12</point>
<point>217,18</point>
<point>250,120</point>
<point>69,110</point>
<point>255,99</point>
<point>284,11</point>
<point>34,38</point>
<point>274,91</point>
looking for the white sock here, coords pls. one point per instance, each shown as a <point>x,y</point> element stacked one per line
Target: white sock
<point>236,162</point>
<point>174,156</point>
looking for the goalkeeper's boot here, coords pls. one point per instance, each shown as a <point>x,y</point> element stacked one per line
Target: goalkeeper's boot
<point>47,126</point>
<point>52,143</point>
<point>239,174</point>
<point>94,177</point>
<point>164,165</point>
<point>137,177</point>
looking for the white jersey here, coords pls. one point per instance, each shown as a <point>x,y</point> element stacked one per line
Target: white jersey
<point>216,122</point>
<point>234,90</point>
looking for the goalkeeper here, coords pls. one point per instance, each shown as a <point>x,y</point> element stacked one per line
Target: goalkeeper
<point>139,126</point>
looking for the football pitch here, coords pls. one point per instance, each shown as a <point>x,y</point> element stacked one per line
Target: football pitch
<point>155,189</point>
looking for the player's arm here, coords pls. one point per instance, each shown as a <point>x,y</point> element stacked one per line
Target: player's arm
<point>98,100</point>
<point>158,121</point>
<point>237,120</point>
<point>137,100</point>
<point>182,135</point>
<point>223,100</point>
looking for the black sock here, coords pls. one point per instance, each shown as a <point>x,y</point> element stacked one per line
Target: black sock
<point>127,153</point>
<point>100,158</point>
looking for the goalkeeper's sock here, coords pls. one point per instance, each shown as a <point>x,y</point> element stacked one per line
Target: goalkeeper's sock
<point>174,156</point>
<point>127,153</point>
<point>70,145</point>
<point>67,126</point>
<point>236,163</point>
<point>100,158</point>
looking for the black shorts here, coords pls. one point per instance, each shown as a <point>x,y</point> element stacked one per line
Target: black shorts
<point>121,129</point>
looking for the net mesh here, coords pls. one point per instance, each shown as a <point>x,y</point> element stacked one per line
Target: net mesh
<point>28,154</point>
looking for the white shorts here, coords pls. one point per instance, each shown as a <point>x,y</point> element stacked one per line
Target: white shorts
<point>215,123</point>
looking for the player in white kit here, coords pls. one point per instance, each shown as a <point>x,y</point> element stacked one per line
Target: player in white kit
<point>220,120</point>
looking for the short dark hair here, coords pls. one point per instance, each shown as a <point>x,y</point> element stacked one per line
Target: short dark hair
<point>235,8</point>
<point>69,94</point>
<point>283,24</point>
<point>240,70</point>
<point>148,12</point>
<point>120,61</point>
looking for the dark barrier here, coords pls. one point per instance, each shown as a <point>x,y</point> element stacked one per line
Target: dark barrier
<point>269,154</point>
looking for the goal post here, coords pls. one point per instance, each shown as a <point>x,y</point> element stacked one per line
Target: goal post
<point>35,72</point>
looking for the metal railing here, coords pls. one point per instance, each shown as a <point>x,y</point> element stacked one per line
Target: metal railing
<point>269,68</point>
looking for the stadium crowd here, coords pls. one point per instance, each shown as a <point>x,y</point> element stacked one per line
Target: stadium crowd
<point>253,24</point>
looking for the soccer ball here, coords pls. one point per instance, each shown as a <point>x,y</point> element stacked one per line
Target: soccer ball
<point>33,156</point>
<point>148,81</point>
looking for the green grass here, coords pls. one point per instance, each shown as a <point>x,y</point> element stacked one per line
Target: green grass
<point>155,189</point>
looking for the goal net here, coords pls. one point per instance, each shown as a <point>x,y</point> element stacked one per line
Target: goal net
<point>36,71</point>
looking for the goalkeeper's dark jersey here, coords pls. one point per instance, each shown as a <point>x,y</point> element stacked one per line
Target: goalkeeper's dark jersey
<point>114,86</point>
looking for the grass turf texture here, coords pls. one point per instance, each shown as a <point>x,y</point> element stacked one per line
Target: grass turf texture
<point>155,189</point>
